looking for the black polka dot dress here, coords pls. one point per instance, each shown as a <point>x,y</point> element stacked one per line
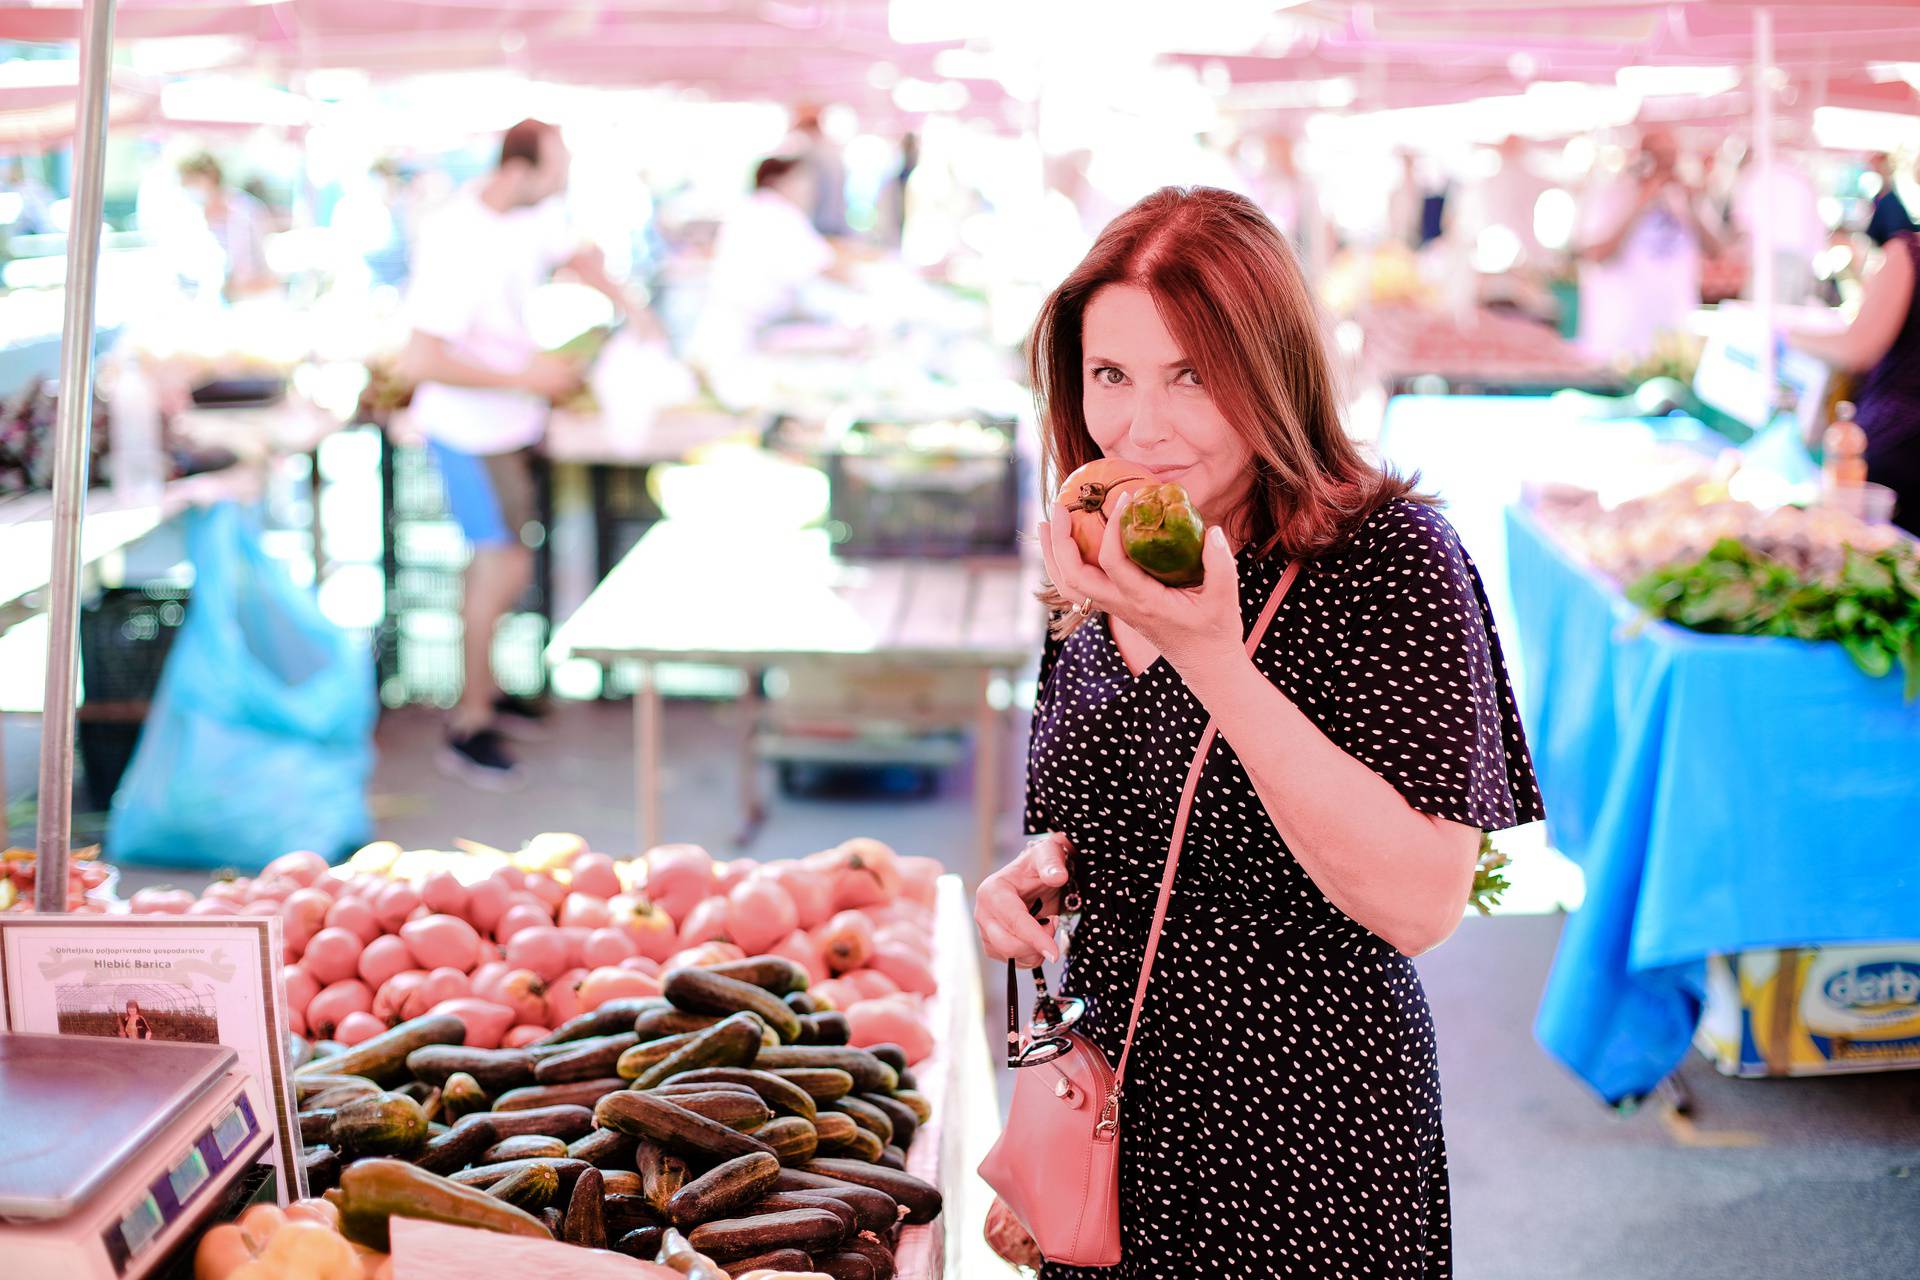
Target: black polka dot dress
<point>1282,1115</point>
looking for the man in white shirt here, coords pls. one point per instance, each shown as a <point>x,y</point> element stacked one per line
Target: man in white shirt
<point>235,220</point>
<point>485,389</point>
<point>1641,239</point>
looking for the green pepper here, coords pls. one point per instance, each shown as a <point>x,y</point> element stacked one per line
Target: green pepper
<point>1162,534</point>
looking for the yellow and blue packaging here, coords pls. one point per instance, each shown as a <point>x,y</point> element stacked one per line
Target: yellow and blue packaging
<point>1806,1011</point>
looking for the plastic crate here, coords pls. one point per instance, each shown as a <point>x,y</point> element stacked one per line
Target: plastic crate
<point>893,499</point>
<point>125,637</point>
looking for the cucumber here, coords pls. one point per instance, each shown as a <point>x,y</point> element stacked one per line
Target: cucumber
<point>495,1069</point>
<point>486,1175</point>
<point>829,1028</point>
<point>383,1059</point>
<point>531,1187</point>
<point>728,1186</point>
<point>907,1081</point>
<point>675,1128</point>
<point>388,1124</point>
<point>322,1164</point>
<point>457,1148</point>
<point>742,1110</point>
<point>793,1139</point>
<point>778,1200</point>
<point>922,1200</point>
<point>524,1146</point>
<point>621,1182</point>
<point>565,1122</point>
<point>866,1115</point>
<point>611,1018</point>
<point>870,1075</point>
<point>891,1054</point>
<point>590,1060</point>
<point>854,1143</point>
<point>674,1089</point>
<point>801,1002</point>
<point>844,1266</point>
<point>704,991</point>
<point>905,1120</point>
<point>540,1096</point>
<point>804,1229</point>
<point>648,1052</point>
<point>374,1191</point>
<point>586,1223</point>
<point>656,1024</point>
<point>462,1095</point>
<point>641,1242</point>
<point>603,1148</point>
<point>341,1094</point>
<point>875,1251</point>
<point>626,1213</point>
<point>661,1174</point>
<point>876,1210</point>
<point>782,1095</point>
<point>316,1126</point>
<point>734,1041</point>
<point>775,974</point>
<point>915,1102</point>
<point>308,1087</point>
<point>822,1084</point>
<point>555,1221</point>
<point>774,1260</point>
<point>892,1158</point>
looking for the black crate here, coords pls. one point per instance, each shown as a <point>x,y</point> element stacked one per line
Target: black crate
<point>125,637</point>
<point>891,498</point>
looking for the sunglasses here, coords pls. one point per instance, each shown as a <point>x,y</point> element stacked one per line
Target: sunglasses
<point>1052,1015</point>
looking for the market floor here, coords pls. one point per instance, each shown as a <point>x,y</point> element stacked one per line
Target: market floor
<point>1803,1179</point>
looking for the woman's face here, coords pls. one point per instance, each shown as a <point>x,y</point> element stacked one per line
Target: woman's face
<point>1144,402</point>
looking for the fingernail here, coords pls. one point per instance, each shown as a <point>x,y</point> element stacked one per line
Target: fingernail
<point>1052,873</point>
<point>1217,536</point>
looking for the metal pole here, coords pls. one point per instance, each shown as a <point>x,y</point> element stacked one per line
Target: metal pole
<point>1763,212</point>
<point>71,450</point>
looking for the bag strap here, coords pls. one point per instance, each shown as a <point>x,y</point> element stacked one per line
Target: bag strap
<point>1179,839</point>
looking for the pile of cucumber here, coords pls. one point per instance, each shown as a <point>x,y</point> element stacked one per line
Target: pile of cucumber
<point>722,1127</point>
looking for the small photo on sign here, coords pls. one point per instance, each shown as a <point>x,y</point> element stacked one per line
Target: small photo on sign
<point>139,1011</point>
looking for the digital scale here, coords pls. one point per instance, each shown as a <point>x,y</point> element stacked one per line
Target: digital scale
<point>112,1151</point>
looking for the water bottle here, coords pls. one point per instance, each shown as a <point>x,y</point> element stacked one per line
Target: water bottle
<point>137,460</point>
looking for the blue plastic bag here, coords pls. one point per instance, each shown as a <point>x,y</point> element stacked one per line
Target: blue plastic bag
<point>260,737</point>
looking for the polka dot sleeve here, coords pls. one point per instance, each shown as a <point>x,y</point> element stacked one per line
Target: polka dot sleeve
<point>1037,818</point>
<point>1422,696</point>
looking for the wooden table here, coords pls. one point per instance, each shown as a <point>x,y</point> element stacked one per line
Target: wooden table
<point>693,592</point>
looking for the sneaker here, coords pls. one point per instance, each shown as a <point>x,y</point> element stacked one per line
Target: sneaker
<point>522,719</point>
<point>481,760</point>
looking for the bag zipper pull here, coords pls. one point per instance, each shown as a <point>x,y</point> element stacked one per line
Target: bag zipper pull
<point>1109,1126</point>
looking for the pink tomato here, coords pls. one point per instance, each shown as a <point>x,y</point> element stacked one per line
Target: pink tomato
<point>760,913</point>
<point>585,911</point>
<point>393,993</point>
<point>905,968</point>
<point>613,983</point>
<point>607,947</point>
<point>799,948</point>
<point>729,874</point>
<point>213,907</point>
<point>443,894</point>
<point>297,1021</point>
<point>836,993</point>
<point>385,956</point>
<point>871,983</point>
<point>485,901</point>
<point>640,964</point>
<point>304,914</point>
<point>301,987</point>
<point>263,907</point>
<point>707,953</point>
<point>519,918</point>
<point>356,1027</point>
<point>891,1020</point>
<point>444,983</point>
<point>234,891</point>
<point>521,990</point>
<point>594,874</point>
<point>919,879</point>
<point>547,889</point>
<point>679,876</point>
<point>524,1034</point>
<point>356,916</point>
<point>905,937</point>
<point>333,955</point>
<point>485,1021</point>
<point>541,948</point>
<point>485,975</point>
<point>648,924</point>
<point>333,884</point>
<point>811,891</point>
<point>162,902</point>
<point>707,922</point>
<point>303,867</point>
<point>512,877</point>
<point>439,940</point>
<point>334,1002</point>
<point>563,996</point>
<point>394,904</point>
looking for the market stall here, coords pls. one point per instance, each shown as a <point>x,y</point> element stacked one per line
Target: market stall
<point>1723,793</point>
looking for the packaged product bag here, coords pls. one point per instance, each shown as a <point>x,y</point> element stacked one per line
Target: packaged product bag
<point>260,737</point>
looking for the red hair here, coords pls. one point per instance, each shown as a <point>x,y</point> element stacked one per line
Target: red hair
<point>1231,293</point>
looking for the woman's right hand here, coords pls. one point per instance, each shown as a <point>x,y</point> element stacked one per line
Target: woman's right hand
<point>1009,930</point>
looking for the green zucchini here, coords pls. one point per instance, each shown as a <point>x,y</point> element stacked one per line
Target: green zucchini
<point>486,1175</point>
<point>661,1173</point>
<point>730,1185</point>
<point>835,1130</point>
<point>603,1148</point>
<point>891,1054</point>
<point>621,1182</point>
<point>776,1201</point>
<point>306,1088</point>
<point>531,1187</point>
<point>801,1002</point>
<point>775,974</point>
<point>732,1042</point>
<point>457,1148</point>
<point>875,1251</point>
<point>388,1124</point>
<point>383,1059</point>
<point>844,1266</point>
<point>357,1087</point>
<point>316,1126</point>
<point>586,1223</point>
<point>641,1242</point>
<point>922,1200</point>
<point>538,1097</point>
<point>678,1130</point>
<point>793,1139</point>
<point>905,1120</point>
<point>866,1115</point>
<point>822,1084</point>
<point>870,1075</point>
<point>782,1095</point>
<point>624,1213</point>
<point>374,1191</point>
<point>588,1060</point>
<point>892,1158</point>
<point>854,1144</point>
<point>648,1052</point>
<point>916,1102</point>
<point>704,991</point>
<point>773,1260</point>
<point>322,1164</point>
<point>523,1146</point>
<point>611,1018</point>
<point>496,1069</point>
<point>828,1028</point>
<point>740,1110</point>
<point>876,1210</point>
<point>805,1229</point>
<point>656,1024</point>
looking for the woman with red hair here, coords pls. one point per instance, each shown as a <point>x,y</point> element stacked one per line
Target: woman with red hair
<point>1282,1105</point>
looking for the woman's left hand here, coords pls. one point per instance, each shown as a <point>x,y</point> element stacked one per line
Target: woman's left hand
<point>1191,626</point>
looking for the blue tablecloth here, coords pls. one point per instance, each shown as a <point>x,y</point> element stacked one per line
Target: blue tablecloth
<point>1721,793</point>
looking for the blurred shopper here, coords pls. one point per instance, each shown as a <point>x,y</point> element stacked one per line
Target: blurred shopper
<point>1641,239</point>
<point>237,222</point>
<point>484,394</point>
<point>827,202</point>
<point>35,215</point>
<point>1795,230</point>
<point>1883,345</point>
<point>1890,216</point>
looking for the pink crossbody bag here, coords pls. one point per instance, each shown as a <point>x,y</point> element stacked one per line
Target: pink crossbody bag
<point>1057,1163</point>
